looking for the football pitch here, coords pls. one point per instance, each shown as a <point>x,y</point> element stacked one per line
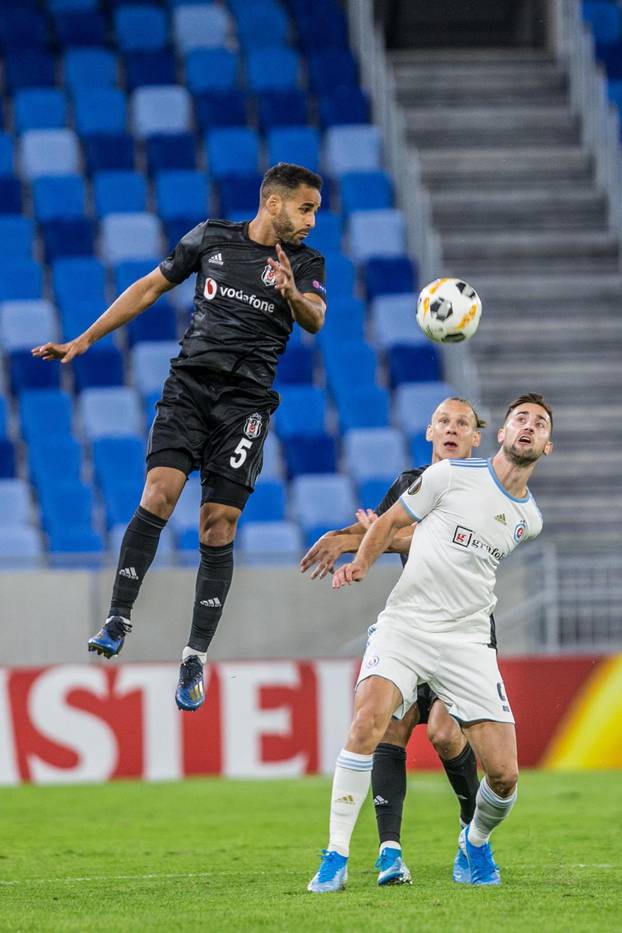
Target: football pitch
<point>229,855</point>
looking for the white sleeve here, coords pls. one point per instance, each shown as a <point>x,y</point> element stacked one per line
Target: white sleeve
<point>427,490</point>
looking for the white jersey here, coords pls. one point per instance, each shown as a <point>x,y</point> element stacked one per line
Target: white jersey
<point>467,523</point>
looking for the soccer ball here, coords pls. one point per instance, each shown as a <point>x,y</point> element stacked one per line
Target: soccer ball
<point>448,311</point>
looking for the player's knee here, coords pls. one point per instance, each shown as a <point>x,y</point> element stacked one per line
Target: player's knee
<point>218,524</point>
<point>159,497</point>
<point>503,780</point>
<point>398,732</point>
<point>446,739</point>
<point>367,730</point>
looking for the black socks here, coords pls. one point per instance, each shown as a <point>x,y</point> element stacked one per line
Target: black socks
<point>213,582</point>
<point>138,549</point>
<point>388,783</point>
<point>462,775</point>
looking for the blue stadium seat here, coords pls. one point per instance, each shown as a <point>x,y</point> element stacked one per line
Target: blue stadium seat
<point>285,107</point>
<point>322,500</point>
<point>15,504</point>
<point>330,69</point>
<point>104,151</point>
<point>272,69</point>
<point>39,109</point>
<point>186,514</point>
<point>7,164</point>
<point>298,144</point>
<point>310,453</point>
<point>387,275</point>
<point>59,197</point>
<point>342,360</point>
<point>170,150</point>
<point>157,323</point>
<point>363,407</point>
<point>211,70</point>
<point>239,194</point>
<point>302,411</point>
<point>20,279</point>
<point>272,460</point>
<point>161,109</point>
<point>416,401</point>
<point>90,68</point>
<point>7,458</point>
<point>130,236</point>
<point>420,449</point>
<point>376,233</point>
<point>128,272</point>
<point>22,28</point>
<point>259,25</point>
<point>49,152</point>
<point>295,366</point>
<point>110,412</point>
<point>326,235</point>
<point>119,192</point>
<point>393,321</point>
<point>99,110</point>
<point>266,504</point>
<point>81,540</point>
<point>20,547</point>
<point>101,366</point>
<point>140,27</point>
<point>28,68</point>
<point>610,56</point>
<point>17,235</point>
<point>232,151</point>
<point>153,67</point>
<point>340,275</point>
<point>80,27</point>
<point>10,195</point>
<point>334,31</point>
<point>40,409</point>
<point>344,322</point>
<point>605,20</point>
<point>29,372</point>
<point>3,416</point>
<point>365,191</point>
<point>79,279</point>
<point>166,544</point>
<point>121,497</point>
<point>343,106</point>
<point>69,503</point>
<point>371,492</point>
<point>151,363</point>
<point>110,452</point>
<point>220,108</point>
<point>263,542</point>
<point>77,314</point>
<point>26,324</point>
<point>352,148</point>
<point>374,453</point>
<point>408,363</point>
<point>54,459</point>
<point>73,236</point>
<point>614,92</point>
<point>201,26</point>
<point>182,193</point>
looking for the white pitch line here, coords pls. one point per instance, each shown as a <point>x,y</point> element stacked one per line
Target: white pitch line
<point>197,874</point>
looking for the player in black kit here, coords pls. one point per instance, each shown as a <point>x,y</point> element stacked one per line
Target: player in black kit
<point>254,280</point>
<point>454,431</point>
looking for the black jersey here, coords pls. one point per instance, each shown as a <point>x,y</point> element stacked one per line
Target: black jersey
<point>240,323</point>
<point>395,490</point>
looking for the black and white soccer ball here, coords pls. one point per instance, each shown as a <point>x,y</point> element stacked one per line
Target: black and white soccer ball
<point>448,310</point>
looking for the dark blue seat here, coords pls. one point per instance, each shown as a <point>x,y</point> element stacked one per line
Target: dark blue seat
<point>310,453</point>
<point>170,150</point>
<point>220,108</point>
<point>54,460</point>
<point>365,191</point>
<point>121,498</point>
<point>16,236</point>
<point>20,279</point>
<point>119,191</point>
<point>77,314</point>
<point>302,411</point>
<point>363,407</point>
<point>287,107</point>
<point>28,68</point>
<point>272,69</point>
<point>334,31</point>
<point>344,106</point>
<point>389,275</point>
<point>239,194</point>
<point>611,58</point>
<point>10,195</point>
<point>330,69</point>
<point>7,155</point>
<point>79,279</point>
<point>90,67</point>
<point>39,109</point>
<point>605,20</point>
<point>232,151</point>
<point>28,372</point>
<point>326,235</point>
<point>38,409</point>
<point>79,540</point>
<point>175,229</point>
<point>149,67</point>
<point>211,70</point>
<point>110,452</point>
<point>182,193</point>
<point>409,363</point>
<point>157,323</point>
<point>298,144</point>
<point>267,503</point>
<point>74,236</point>
<point>101,366</point>
<point>68,501</point>
<point>22,28</point>
<point>343,360</point>
<point>7,458</point>
<point>140,27</point>
<point>420,449</point>
<point>58,197</point>
<point>340,275</point>
<point>344,322</point>
<point>80,27</point>
<point>371,492</point>
<point>259,25</point>
<point>99,110</point>
<point>295,366</point>
<point>108,151</point>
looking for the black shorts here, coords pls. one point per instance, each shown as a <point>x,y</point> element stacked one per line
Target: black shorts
<point>425,698</point>
<point>214,423</point>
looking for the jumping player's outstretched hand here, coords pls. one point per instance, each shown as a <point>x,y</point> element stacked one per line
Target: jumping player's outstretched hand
<point>64,352</point>
<point>324,553</point>
<point>348,574</point>
<point>284,276</point>
<point>366,517</point>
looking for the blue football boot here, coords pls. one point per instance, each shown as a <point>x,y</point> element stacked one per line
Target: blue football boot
<point>461,873</point>
<point>481,863</point>
<point>392,868</point>
<point>109,640</point>
<point>190,692</point>
<point>332,875</point>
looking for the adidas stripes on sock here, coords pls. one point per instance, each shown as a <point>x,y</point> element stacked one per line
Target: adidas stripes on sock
<point>213,582</point>
<point>138,548</point>
<point>350,786</point>
<point>388,783</point>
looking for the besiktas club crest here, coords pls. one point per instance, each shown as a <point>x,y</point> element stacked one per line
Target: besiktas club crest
<point>253,426</point>
<point>268,276</point>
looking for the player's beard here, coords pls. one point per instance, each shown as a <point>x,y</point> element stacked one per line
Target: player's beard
<point>520,458</point>
<point>284,228</point>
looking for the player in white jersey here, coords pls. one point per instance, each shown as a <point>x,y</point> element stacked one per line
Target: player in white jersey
<point>470,515</point>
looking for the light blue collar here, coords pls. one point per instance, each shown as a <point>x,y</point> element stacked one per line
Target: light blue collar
<point>502,487</point>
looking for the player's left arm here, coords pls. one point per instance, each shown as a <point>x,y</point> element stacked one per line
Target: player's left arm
<point>307,308</point>
<point>377,537</point>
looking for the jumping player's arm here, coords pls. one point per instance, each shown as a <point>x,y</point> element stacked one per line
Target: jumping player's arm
<point>307,308</point>
<point>132,302</point>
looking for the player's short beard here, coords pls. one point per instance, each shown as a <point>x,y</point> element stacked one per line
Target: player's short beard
<point>284,228</point>
<point>520,459</point>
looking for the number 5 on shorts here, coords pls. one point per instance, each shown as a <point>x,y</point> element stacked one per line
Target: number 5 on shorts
<point>240,453</point>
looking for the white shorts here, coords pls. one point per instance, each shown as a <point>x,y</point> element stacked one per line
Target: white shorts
<point>464,674</point>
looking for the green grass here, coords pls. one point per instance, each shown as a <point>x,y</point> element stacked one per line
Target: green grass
<point>221,855</point>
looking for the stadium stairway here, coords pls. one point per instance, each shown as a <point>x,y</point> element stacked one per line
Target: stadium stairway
<point>521,217</point>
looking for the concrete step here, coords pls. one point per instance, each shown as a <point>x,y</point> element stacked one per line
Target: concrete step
<point>535,210</point>
<point>557,334</point>
<point>569,291</point>
<point>474,268</point>
<point>479,126</point>
<point>545,245</point>
<point>511,58</point>
<point>487,169</point>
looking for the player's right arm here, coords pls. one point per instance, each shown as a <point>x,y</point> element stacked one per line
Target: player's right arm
<point>375,542</point>
<point>132,302</point>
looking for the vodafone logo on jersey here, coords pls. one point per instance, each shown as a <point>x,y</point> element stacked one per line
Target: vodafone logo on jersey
<point>210,288</point>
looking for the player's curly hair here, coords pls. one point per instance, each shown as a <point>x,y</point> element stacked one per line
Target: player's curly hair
<point>479,421</point>
<point>289,176</point>
<point>530,398</point>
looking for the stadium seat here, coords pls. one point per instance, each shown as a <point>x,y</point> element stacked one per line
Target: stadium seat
<point>80,540</point>
<point>371,492</point>
<point>299,144</point>
<point>376,233</point>
<point>121,497</point>
<point>130,236</point>
<point>160,109</point>
<point>211,70</point>
<point>3,416</point>
<point>79,279</point>
<point>104,151</point>
<point>420,449</point>
<point>386,275</point>
<point>25,324</point>
<point>28,68</point>
<point>267,541</point>
<point>201,26</point>
<point>77,315</point>
<point>10,196</point>
<point>66,502</point>
<point>39,109</point>
<point>76,27</point>
<point>330,69</point>
<point>374,453</point>
<point>29,372</point>
<point>49,152</point>
<point>99,110</point>
<point>322,500</point>
<point>20,279</point>
<point>272,461</point>
<point>128,272</point>
<point>17,236</point>
<point>344,322</point>
<point>90,68</point>
<point>239,194</point>
<point>365,191</point>
<point>74,236</point>
<point>260,24</point>
<point>267,503</point>
<point>186,514</point>
<point>182,193</point>
<point>151,363</point>
<point>605,21</point>
<point>7,164</point>
<point>295,366</point>
<point>272,69</point>
<point>109,452</point>
<point>340,276</point>
<point>415,402</point>
<point>40,408</point>
<point>170,150</point>
<point>326,235</point>
<point>153,67</point>
<point>110,412</point>
<point>140,27</point>
<point>23,28</point>
<point>232,151</point>
<point>53,459</point>
<point>157,323</point>
<point>20,547</point>
<point>119,192</point>
<point>302,411</point>
<point>363,407</point>
<point>334,31</point>
<point>58,197</point>
<point>393,321</point>
<point>101,366</point>
<point>310,453</point>
<point>408,363</point>
<point>347,361</point>
<point>352,148</point>
<point>7,458</point>
<point>15,506</point>
<point>285,107</point>
<point>342,106</point>
<point>220,108</point>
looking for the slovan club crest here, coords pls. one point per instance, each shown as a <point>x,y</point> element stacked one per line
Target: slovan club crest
<point>253,426</point>
<point>268,276</point>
